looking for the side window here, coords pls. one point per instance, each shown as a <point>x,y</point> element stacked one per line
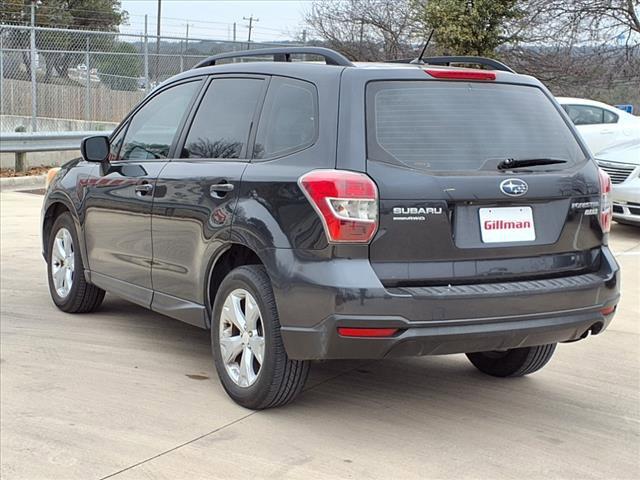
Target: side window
<point>116,143</point>
<point>585,114</point>
<point>221,126</point>
<point>610,117</point>
<point>152,128</point>
<point>289,120</point>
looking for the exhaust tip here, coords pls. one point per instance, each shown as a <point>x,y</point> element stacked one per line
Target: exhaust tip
<point>596,328</point>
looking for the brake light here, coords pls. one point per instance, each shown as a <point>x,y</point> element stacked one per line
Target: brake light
<point>367,332</point>
<point>462,74</point>
<point>347,203</point>
<point>606,211</point>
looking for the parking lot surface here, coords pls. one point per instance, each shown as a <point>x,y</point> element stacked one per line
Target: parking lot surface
<point>126,393</point>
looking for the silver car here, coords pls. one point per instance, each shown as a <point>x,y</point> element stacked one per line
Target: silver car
<point>622,163</point>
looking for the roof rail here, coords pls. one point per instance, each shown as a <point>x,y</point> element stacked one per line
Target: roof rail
<point>282,54</point>
<point>448,60</point>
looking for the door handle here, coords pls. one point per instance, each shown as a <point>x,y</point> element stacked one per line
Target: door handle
<point>219,190</point>
<point>144,188</point>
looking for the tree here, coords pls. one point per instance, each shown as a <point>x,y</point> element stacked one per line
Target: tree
<point>577,21</point>
<point>471,27</point>
<point>587,48</point>
<point>365,30</point>
<point>105,15</point>
<point>93,14</point>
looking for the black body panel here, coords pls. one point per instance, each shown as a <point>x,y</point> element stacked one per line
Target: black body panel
<point>191,222</point>
<point>117,225</point>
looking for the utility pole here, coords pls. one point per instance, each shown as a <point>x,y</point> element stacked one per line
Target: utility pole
<point>157,69</point>
<point>251,20</point>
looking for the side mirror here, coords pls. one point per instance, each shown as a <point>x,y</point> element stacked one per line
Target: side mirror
<point>95,149</point>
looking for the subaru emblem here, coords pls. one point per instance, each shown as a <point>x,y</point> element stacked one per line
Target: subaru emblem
<point>514,187</point>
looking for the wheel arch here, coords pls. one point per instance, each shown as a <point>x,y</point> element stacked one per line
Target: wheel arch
<point>233,256</point>
<point>55,207</point>
<point>53,211</point>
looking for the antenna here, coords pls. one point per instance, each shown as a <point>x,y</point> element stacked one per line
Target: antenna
<point>424,49</point>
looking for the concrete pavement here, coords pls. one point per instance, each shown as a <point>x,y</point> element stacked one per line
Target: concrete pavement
<point>126,393</point>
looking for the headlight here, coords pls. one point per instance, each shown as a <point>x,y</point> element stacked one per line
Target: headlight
<point>51,174</point>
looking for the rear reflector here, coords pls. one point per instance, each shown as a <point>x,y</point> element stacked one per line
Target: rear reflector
<point>346,201</point>
<point>608,310</point>
<point>367,332</point>
<point>466,74</point>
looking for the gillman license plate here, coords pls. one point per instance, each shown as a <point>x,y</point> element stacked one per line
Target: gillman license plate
<point>507,224</point>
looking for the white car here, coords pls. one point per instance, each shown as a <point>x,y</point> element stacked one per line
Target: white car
<point>600,125</point>
<point>622,163</point>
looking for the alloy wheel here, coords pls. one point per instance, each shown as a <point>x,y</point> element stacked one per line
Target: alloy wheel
<point>241,337</point>
<point>62,262</point>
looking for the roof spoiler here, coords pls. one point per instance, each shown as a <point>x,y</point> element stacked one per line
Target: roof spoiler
<point>448,60</point>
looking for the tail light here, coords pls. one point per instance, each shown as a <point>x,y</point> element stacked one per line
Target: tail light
<point>606,211</point>
<point>347,203</point>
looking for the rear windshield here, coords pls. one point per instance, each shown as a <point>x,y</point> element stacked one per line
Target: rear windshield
<point>450,126</point>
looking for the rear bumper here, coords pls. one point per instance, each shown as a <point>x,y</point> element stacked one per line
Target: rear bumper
<point>438,338</point>
<point>314,300</point>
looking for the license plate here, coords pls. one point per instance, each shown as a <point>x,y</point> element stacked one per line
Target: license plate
<point>507,224</point>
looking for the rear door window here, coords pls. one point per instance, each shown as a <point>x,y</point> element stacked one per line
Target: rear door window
<point>452,126</point>
<point>289,120</point>
<point>610,117</point>
<point>222,124</point>
<point>585,114</point>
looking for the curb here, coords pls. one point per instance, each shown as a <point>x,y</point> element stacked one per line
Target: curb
<point>14,183</point>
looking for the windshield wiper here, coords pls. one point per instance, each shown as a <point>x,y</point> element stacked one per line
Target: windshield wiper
<point>511,163</point>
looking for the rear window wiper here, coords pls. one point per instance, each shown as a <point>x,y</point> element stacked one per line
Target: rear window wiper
<point>511,163</point>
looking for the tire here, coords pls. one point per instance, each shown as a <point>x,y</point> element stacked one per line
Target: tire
<point>512,363</point>
<point>278,379</point>
<point>80,297</point>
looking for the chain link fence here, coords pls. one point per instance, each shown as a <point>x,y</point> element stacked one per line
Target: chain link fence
<point>59,80</point>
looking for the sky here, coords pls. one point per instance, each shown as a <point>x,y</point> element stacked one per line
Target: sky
<point>277,20</point>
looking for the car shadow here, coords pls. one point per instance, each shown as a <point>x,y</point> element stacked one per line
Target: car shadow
<point>624,231</point>
<point>430,381</point>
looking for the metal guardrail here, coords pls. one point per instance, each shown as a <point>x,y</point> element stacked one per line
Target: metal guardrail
<point>44,142</point>
<point>22,143</point>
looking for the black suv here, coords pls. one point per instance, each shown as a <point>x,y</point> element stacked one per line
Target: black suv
<point>329,210</point>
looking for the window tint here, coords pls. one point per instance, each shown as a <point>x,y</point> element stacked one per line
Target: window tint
<point>610,117</point>
<point>153,127</point>
<point>434,125</point>
<point>289,119</point>
<point>221,126</point>
<point>585,114</point>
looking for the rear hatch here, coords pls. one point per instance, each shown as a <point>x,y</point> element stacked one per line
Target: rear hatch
<point>453,209</point>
